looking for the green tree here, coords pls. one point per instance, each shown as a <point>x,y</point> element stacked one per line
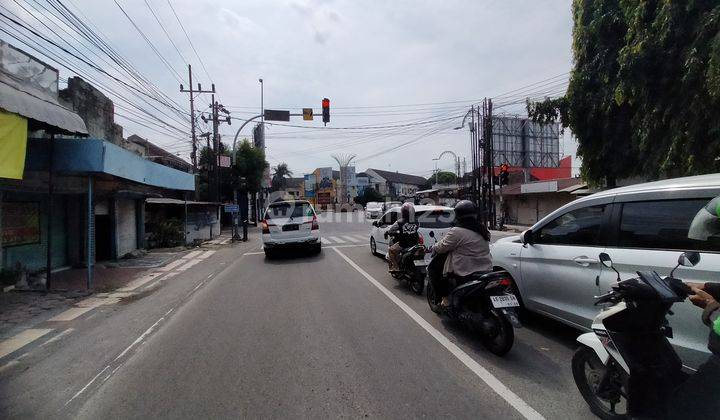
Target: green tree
<point>644,93</point>
<point>368,195</point>
<point>279,179</point>
<point>249,164</point>
<point>444,177</point>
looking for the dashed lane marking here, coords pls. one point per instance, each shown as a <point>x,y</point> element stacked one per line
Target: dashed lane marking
<point>21,340</point>
<point>494,383</point>
<point>58,337</point>
<point>206,254</point>
<point>193,254</point>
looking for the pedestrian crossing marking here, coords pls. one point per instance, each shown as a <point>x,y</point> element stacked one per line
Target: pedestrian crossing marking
<point>335,239</point>
<point>352,239</point>
<point>324,241</point>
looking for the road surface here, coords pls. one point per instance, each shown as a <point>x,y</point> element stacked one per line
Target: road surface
<point>332,335</point>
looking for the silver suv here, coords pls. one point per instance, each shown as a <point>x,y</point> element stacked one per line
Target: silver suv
<point>642,227</point>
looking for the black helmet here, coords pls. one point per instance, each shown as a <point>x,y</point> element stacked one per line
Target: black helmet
<point>407,212</point>
<point>465,209</point>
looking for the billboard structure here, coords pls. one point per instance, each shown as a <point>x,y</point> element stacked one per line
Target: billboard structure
<point>522,143</point>
<point>309,182</point>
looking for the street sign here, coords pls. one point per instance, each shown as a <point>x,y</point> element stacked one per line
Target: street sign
<point>277,115</point>
<point>307,114</point>
<point>232,208</point>
<point>224,161</point>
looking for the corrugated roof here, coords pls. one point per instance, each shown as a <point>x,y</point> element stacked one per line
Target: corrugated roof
<point>399,177</point>
<point>17,101</point>
<point>176,201</point>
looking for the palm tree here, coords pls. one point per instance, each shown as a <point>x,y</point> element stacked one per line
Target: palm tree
<point>281,174</point>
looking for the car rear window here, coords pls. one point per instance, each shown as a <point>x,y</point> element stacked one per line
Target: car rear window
<point>287,210</point>
<point>663,225</point>
<point>436,219</point>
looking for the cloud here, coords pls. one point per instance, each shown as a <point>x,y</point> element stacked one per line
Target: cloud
<point>319,18</point>
<point>236,22</point>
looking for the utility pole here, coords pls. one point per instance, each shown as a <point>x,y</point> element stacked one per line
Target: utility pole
<point>193,155</point>
<point>214,184</point>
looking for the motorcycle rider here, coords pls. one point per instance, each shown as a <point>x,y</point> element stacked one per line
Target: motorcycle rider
<point>405,234</point>
<point>467,245</point>
<point>698,396</point>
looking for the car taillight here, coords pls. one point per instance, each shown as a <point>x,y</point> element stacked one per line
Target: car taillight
<point>265,227</point>
<point>421,241</point>
<point>315,225</point>
<point>505,282</point>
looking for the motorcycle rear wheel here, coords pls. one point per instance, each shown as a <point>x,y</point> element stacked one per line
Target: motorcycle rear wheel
<point>503,340</point>
<point>433,299</point>
<point>417,282</point>
<point>587,370</point>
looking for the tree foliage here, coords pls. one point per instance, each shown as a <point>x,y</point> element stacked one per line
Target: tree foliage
<point>279,179</point>
<point>369,194</point>
<point>445,177</point>
<point>250,164</point>
<point>644,93</point>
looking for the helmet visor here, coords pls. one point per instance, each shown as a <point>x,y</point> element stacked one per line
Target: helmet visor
<point>706,223</point>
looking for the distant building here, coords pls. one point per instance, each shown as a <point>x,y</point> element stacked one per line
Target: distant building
<point>394,185</point>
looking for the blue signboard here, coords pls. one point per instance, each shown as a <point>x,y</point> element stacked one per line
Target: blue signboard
<point>232,208</point>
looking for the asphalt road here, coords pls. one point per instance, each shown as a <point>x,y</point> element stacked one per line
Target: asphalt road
<point>331,335</point>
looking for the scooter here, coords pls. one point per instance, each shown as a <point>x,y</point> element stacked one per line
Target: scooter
<point>626,367</point>
<point>413,267</point>
<point>485,305</point>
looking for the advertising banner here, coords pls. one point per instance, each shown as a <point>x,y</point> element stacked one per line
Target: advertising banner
<point>20,223</point>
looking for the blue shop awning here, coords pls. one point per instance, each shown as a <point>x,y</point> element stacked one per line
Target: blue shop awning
<point>94,156</point>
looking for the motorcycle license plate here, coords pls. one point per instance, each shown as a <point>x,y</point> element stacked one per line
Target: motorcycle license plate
<point>420,263</point>
<point>504,301</point>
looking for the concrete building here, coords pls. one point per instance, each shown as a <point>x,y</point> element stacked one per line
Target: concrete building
<point>395,185</point>
<point>526,203</point>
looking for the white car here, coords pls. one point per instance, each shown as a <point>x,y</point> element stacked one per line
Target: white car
<point>642,227</point>
<point>373,209</point>
<point>435,219</point>
<point>290,224</point>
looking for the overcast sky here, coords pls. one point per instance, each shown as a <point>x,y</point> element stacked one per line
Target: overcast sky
<point>429,60</point>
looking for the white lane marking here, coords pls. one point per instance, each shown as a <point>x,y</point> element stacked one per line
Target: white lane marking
<point>139,282</point>
<point>254,253</point>
<point>352,239</point>
<point>21,340</point>
<point>192,254</point>
<point>324,241</point>
<point>336,239</point>
<point>172,265</point>
<point>187,265</point>
<point>206,254</point>
<point>70,314</point>
<point>58,337</point>
<point>362,238</point>
<point>494,383</point>
<point>139,339</point>
<point>348,246</point>
<point>88,384</point>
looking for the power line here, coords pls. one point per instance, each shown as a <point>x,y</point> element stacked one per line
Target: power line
<point>189,41</point>
<point>157,19</point>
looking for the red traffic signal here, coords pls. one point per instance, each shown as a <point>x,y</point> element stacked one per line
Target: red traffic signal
<point>326,110</point>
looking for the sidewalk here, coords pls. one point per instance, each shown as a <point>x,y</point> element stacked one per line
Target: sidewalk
<point>112,281</point>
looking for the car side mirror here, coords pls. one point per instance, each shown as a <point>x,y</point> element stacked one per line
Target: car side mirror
<point>526,237</point>
<point>376,223</point>
<point>606,260</point>
<point>689,259</point>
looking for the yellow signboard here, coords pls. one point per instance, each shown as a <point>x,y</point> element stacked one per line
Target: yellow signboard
<point>307,114</point>
<point>13,141</point>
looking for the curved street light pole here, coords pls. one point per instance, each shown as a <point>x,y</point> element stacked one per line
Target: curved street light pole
<point>240,129</point>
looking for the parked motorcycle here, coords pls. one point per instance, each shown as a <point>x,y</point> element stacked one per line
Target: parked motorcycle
<point>413,267</point>
<point>486,305</point>
<point>626,367</point>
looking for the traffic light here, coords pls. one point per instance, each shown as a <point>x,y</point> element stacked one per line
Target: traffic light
<point>326,110</point>
<point>504,174</point>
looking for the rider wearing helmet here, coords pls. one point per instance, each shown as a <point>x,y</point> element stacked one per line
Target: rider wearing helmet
<point>405,234</point>
<point>467,245</point>
<point>698,396</point>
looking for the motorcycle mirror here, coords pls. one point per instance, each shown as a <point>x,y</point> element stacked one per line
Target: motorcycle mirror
<point>432,234</point>
<point>606,260</point>
<point>689,259</point>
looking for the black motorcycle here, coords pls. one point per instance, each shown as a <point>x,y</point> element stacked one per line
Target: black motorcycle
<point>626,367</point>
<point>484,304</point>
<point>413,267</point>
